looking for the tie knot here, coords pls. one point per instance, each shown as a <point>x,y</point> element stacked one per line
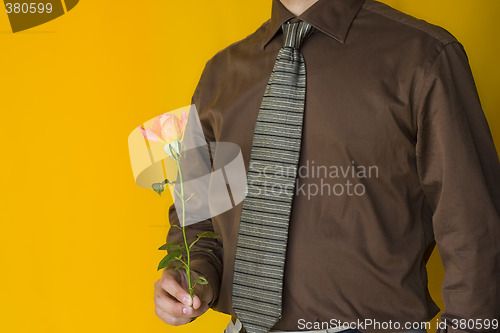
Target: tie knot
<point>295,33</point>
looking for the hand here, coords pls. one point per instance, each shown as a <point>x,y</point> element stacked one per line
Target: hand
<point>173,304</point>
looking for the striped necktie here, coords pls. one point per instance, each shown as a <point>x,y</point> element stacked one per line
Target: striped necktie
<point>263,233</point>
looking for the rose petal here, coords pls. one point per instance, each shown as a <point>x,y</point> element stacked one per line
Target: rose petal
<point>169,127</point>
<point>149,135</point>
<point>184,119</point>
<point>158,124</point>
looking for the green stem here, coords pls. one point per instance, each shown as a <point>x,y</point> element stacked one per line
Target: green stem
<point>190,246</point>
<point>188,266</point>
<point>182,261</point>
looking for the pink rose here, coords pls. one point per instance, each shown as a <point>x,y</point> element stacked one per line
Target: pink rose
<point>166,128</point>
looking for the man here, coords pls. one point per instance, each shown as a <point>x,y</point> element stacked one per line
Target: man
<point>397,156</point>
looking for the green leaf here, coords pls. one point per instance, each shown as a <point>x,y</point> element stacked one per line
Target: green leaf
<point>208,234</point>
<point>158,187</point>
<point>170,246</point>
<point>201,280</point>
<point>176,267</point>
<point>169,258</point>
<point>166,181</point>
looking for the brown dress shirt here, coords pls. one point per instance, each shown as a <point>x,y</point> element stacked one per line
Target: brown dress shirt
<point>396,157</point>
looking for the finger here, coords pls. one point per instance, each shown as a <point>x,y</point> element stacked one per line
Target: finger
<point>173,287</point>
<point>171,320</point>
<point>167,304</point>
<point>189,312</point>
<point>174,308</point>
<point>201,310</point>
<point>196,302</point>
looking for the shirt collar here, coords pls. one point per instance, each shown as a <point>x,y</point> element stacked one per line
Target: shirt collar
<point>332,17</point>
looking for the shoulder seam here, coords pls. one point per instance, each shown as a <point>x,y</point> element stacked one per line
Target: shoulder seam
<point>418,97</point>
<point>435,36</point>
<point>237,42</point>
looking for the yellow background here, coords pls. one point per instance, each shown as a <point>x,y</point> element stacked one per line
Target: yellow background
<point>78,239</point>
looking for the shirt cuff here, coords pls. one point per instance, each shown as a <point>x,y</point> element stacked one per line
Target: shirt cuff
<point>203,267</point>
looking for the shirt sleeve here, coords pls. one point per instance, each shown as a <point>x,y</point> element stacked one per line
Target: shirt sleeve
<point>209,264</point>
<point>459,172</point>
